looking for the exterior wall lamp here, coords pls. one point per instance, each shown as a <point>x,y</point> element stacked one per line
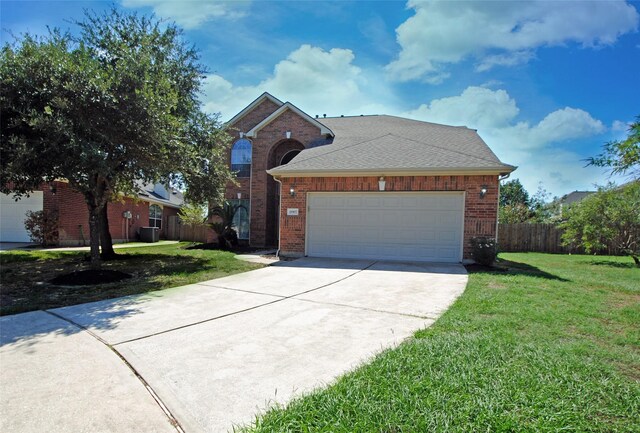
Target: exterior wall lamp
<point>239,195</point>
<point>288,134</point>
<point>292,192</point>
<point>483,191</point>
<point>381,183</point>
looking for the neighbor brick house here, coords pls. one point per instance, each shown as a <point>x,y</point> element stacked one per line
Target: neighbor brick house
<point>152,207</point>
<point>379,187</point>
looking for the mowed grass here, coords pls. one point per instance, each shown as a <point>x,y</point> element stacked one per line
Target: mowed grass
<point>25,275</point>
<point>549,345</point>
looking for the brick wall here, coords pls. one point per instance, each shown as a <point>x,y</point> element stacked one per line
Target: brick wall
<point>480,215</point>
<point>73,216</point>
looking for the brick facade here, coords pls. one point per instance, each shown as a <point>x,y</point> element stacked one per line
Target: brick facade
<point>73,216</point>
<point>268,147</point>
<point>480,214</point>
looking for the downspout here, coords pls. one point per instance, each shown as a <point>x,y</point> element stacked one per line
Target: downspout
<point>279,214</point>
<point>500,179</point>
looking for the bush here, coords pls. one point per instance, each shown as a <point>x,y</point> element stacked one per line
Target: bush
<point>227,236</point>
<point>42,227</point>
<point>484,250</point>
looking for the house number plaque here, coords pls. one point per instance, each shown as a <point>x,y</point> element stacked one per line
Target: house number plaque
<point>292,211</point>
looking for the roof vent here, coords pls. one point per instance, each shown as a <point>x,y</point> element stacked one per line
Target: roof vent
<point>324,115</point>
<point>342,115</point>
<point>317,115</point>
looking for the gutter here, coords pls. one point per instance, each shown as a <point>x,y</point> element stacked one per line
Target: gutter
<point>501,171</point>
<point>279,213</point>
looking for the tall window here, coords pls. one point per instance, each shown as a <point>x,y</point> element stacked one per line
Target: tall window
<point>155,216</point>
<point>241,219</point>
<point>241,158</point>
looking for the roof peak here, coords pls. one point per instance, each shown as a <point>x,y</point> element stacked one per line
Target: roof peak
<point>253,104</point>
<point>284,107</point>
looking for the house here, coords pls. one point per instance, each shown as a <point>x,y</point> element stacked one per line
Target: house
<point>574,197</point>
<point>152,208</point>
<point>377,187</point>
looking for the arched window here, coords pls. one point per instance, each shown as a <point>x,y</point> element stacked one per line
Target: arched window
<point>241,158</point>
<point>241,218</point>
<point>155,216</point>
<point>289,156</point>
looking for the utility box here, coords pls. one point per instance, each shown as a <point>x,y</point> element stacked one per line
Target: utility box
<point>149,234</point>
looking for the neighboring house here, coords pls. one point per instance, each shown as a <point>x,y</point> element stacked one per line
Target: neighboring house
<point>377,187</point>
<point>574,197</point>
<point>151,208</point>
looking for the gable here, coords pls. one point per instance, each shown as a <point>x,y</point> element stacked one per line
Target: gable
<point>254,113</point>
<point>289,108</point>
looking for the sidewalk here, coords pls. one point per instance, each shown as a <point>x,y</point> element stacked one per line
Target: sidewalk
<point>31,247</point>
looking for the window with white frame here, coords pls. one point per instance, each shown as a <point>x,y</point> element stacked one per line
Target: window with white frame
<point>155,216</point>
<point>241,158</point>
<point>241,218</point>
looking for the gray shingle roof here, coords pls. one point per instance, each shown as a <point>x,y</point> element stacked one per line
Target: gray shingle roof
<point>575,196</point>
<point>175,197</point>
<point>393,144</point>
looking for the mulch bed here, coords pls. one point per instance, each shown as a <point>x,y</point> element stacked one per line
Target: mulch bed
<point>88,277</point>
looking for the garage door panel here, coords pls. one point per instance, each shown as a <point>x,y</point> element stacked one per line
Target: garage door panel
<point>403,226</point>
<point>13,214</point>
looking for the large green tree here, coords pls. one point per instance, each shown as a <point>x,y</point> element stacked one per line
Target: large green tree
<point>621,157</point>
<point>610,216</point>
<point>513,203</point>
<point>516,205</point>
<point>513,193</point>
<point>115,105</point>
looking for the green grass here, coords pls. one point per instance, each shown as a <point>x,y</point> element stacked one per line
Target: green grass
<point>24,275</point>
<point>550,345</point>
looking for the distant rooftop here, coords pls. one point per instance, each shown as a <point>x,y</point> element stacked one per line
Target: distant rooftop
<point>575,196</point>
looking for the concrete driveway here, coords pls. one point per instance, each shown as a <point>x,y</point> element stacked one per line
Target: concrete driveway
<point>206,357</point>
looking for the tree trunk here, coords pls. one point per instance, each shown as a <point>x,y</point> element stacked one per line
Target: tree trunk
<point>94,233</point>
<point>636,259</point>
<point>96,198</point>
<point>106,243</point>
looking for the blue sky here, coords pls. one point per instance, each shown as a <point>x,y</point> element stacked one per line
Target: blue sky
<point>544,83</point>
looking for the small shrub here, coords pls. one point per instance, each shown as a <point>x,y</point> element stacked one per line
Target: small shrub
<point>484,250</point>
<point>42,227</point>
<point>227,236</point>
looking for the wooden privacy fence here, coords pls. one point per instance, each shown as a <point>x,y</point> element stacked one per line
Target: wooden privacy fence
<point>540,238</point>
<point>186,232</point>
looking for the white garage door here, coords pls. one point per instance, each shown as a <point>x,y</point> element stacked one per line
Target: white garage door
<point>12,215</point>
<point>386,225</point>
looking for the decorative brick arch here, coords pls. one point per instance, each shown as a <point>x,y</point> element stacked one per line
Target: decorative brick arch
<point>276,153</point>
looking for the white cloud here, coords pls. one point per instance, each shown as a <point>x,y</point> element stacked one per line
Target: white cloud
<point>191,14</point>
<point>500,33</point>
<point>538,149</point>
<point>476,107</point>
<point>315,80</point>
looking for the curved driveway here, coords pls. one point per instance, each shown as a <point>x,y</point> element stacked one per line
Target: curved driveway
<point>206,357</point>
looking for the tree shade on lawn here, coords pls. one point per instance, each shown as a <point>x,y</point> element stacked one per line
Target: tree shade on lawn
<point>115,105</point>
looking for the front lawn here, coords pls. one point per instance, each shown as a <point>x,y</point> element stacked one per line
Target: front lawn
<point>551,344</point>
<point>25,275</point>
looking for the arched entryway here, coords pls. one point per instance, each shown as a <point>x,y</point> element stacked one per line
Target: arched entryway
<point>281,153</point>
